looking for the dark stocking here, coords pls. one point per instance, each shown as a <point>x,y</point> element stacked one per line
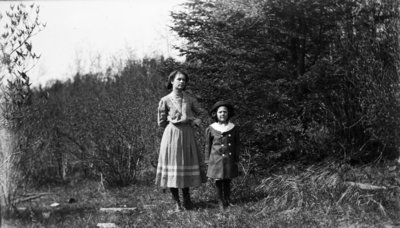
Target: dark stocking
<point>175,197</point>
<point>227,191</point>
<point>187,203</point>
<point>220,192</point>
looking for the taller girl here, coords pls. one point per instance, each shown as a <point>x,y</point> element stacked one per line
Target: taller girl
<point>179,158</point>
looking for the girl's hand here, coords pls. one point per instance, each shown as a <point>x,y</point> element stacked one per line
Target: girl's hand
<point>197,122</point>
<point>176,120</point>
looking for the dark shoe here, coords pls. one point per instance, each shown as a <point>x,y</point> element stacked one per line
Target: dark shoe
<point>188,205</point>
<point>228,203</point>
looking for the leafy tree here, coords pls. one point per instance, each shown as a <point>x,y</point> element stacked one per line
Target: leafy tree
<point>310,78</point>
<point>17,57</point>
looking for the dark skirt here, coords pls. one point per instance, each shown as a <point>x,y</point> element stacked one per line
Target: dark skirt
<point>179,159</point>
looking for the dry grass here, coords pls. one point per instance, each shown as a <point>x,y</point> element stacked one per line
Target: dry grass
<point>334,193</point>
<point>314,197</point>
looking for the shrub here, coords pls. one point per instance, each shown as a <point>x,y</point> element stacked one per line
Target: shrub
<point>96,125</point>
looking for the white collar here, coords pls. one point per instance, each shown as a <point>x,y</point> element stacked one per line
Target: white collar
<point>222,128</point>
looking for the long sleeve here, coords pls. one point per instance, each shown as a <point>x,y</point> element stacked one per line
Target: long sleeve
<point>162,113</point>
<point>208,144</point>
<point>238,145</point>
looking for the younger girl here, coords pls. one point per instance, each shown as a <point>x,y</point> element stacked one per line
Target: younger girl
<point>222,150</point>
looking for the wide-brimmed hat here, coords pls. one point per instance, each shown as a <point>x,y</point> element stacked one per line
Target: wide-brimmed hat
<point>223,103</point>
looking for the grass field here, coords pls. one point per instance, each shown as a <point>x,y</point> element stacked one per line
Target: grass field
<point>317,196</point>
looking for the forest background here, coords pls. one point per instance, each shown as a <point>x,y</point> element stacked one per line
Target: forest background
<point>315,85</point>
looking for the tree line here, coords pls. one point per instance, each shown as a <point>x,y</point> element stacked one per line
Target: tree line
<point>311,79</point>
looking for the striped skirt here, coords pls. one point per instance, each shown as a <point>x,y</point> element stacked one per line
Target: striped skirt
<point>179,158</point>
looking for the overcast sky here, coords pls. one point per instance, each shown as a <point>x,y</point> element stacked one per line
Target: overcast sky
<point>86,29</point>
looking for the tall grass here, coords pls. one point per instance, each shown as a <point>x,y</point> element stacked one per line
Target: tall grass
<point>316,196</point>
<point>334,189</point>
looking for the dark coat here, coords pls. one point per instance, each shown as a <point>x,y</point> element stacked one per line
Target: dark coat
<point>222,153</point>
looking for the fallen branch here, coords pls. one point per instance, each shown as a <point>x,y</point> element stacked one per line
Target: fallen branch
<point>119,209</point>
<point>366,186</point>
<point>106,225</point>
<point>32,197</point>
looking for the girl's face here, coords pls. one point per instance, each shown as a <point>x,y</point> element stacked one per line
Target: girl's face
<point>179,81</point>
<point>222,114</point>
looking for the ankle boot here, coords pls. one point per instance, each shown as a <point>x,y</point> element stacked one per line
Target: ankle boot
<point>175,197</point>
<point>187,203</point>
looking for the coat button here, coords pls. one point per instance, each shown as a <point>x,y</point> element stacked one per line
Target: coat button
<point>229,135</point>
<point>222,145</point>
<point>229,144</point>
<point>230,153</point>
<point>223,155</point>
